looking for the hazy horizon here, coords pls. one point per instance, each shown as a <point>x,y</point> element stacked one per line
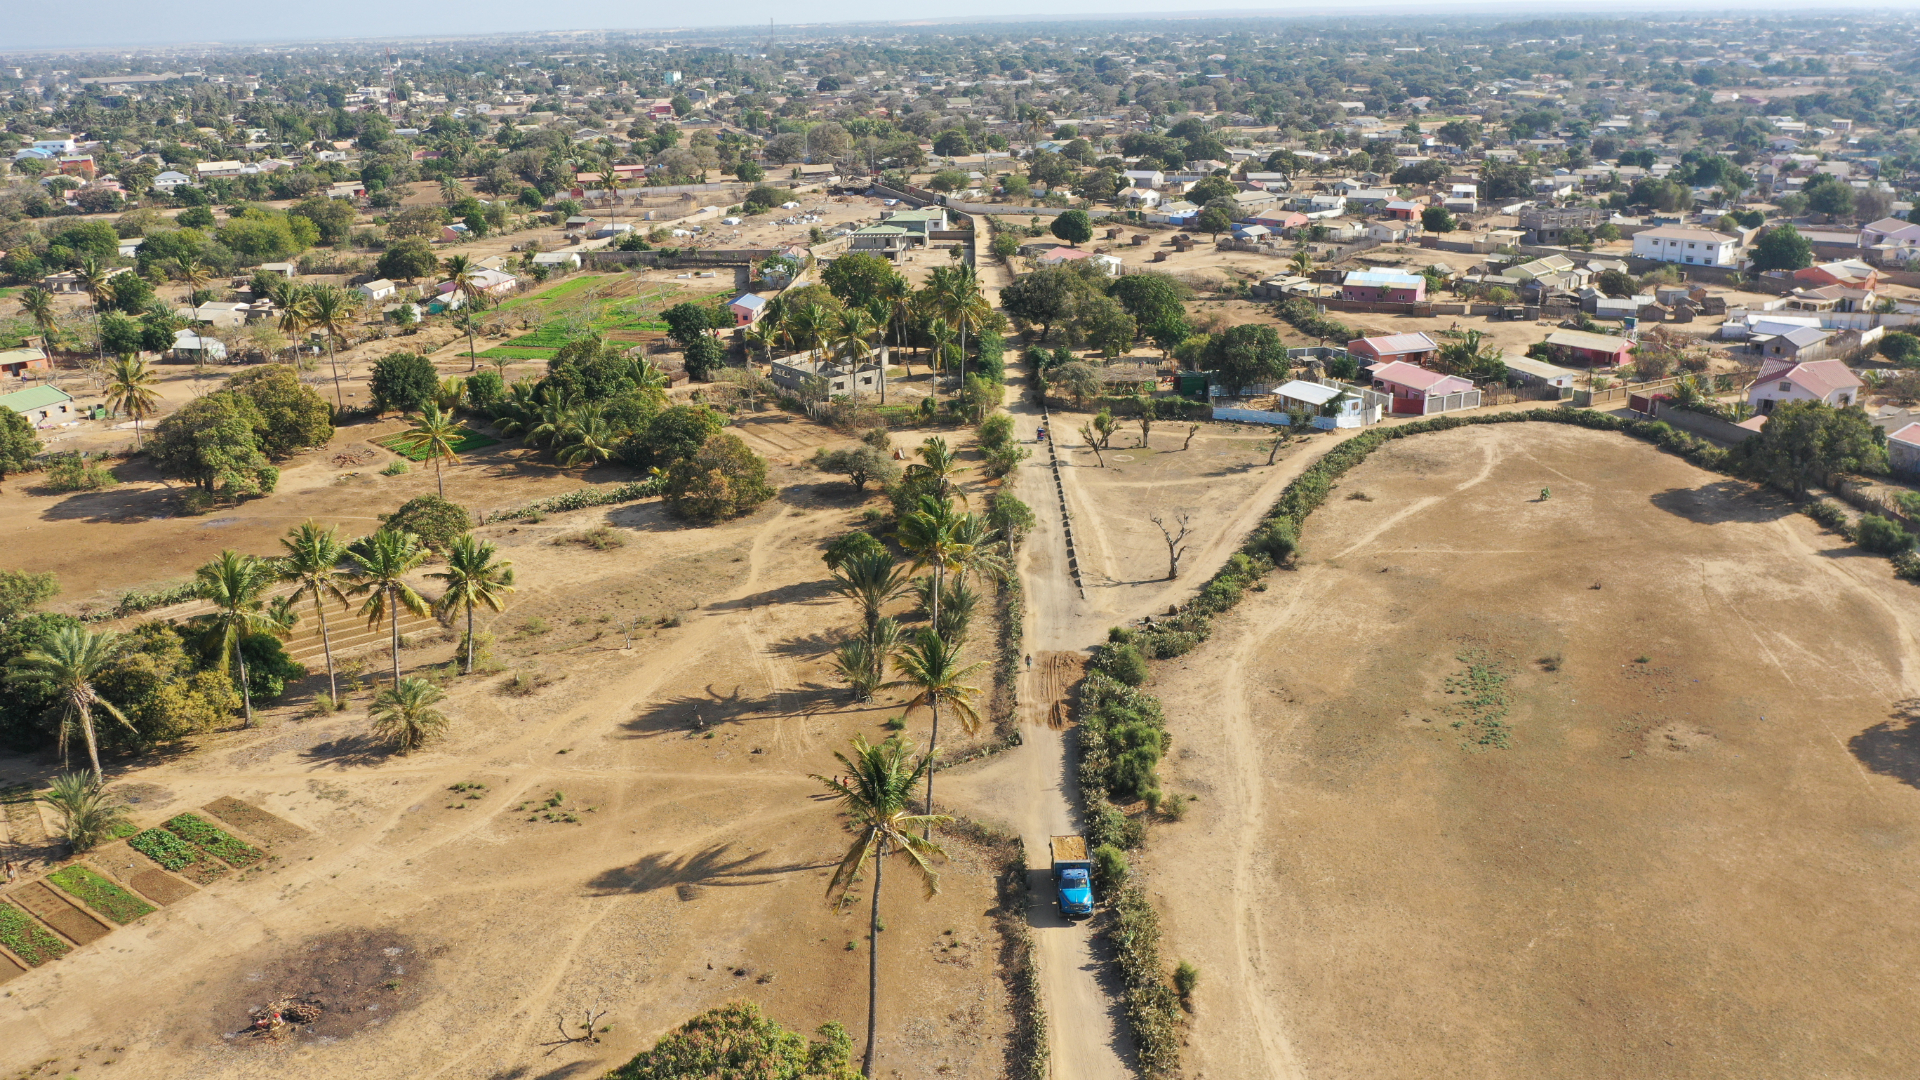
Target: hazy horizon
<point>228,23</point>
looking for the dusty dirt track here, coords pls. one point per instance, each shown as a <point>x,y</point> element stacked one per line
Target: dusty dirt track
<point>1696,857</point>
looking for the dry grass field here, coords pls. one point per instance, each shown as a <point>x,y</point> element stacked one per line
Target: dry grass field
<point>1615,783</point>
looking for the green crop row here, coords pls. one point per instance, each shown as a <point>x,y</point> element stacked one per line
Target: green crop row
<point>100,894</point>
<point>163,847</point>
<point>218,841</point>
<point>27,939</point>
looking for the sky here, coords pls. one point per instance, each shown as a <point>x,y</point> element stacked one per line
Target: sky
<point>134,23</point>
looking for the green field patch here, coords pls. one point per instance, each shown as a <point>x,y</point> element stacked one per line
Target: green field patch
<point>514,352</point>
<point>27,940</point>
<point>216,841</point>
<point>100,894</point>
<point>171,852</point>
<point>466,440</point>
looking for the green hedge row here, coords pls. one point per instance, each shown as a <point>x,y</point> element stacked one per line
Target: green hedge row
<point>580,499</point>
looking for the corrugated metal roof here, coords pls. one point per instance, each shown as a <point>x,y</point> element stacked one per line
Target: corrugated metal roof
<point>35,397</point>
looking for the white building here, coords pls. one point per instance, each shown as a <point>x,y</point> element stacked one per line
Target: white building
<point>1829,382</point>
<point>1678,244</point>
<point>171,179</point>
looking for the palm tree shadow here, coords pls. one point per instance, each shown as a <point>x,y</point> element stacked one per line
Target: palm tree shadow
<point>349,750</point>
<point>1892,746</point>
<point>809,647</point>
<point>695,713</point>
<point>714,867</point>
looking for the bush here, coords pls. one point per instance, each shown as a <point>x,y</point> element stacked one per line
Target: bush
<point>269,668</point>
<point>1826,512</point>
<point>723,479</point>
<point>1901,348</point>
<point>1882,536</point>
<point>1109,867</point>
<point>1123,663</point>
<point>74,472</point>
<point>433,519</point>
<point>404,382</point>
<point>1277,539</point>
<point>396,467</point>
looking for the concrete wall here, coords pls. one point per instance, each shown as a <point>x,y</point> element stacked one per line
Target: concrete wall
<point>1701,424</point>
<point>704,257</point>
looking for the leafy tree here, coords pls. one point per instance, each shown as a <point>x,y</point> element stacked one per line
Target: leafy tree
<point>1424,171</point>
<point>861,465</point>
<point>1211,188</point>
<point>408,260</point>
<point>432,520</point>
<point>1901,348</point>
<point>18,443</point>
<point>332,218</point>
<point>404,714</point>
<point>1213,221</point>
<point>738,1040</point>
<point>1247,354</point>
<point>1614,283</point>
<point>21,591</point>
<point>1461,133</point>
<point>1782,248</point>
<point>1804,442</point>
<point>1046,297</point>
<point>293,417</point>
<point>762,199</point>
<point>856,276</point>
<point>1078,380</point>
<point>1827,194</point>
<point>689,320</point>
<point>1437,219</point>
<point>704,355</point>
<point>1073,226</point>
<point>722,479</point>
<point>214,443</point>
<point>1151,297</point>
<point>64,666</point>
<point>952,143</point>
<point>875,792</point>
<point>195,217</point>
<point>404,382</point>
<point>675,435</point>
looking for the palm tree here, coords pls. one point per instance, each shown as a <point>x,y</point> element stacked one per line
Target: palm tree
<point>806,327</point>
<point>192,272</point>
<point>942,336</point>
<point>875,791</point>
<point>851,334</point>
<point>433,434</point>
<point>235,584</point>
<point>763,335</point>
<point>99,289</point>
<point>391,556</point>
<point>330,311</point>
<point>312,563</point>
<point>295,314</point>
<point>130,390</point>
<point>37,304</point>
<point>590,440</point>
<point>931,535</point>
<point>404,714</point>
<point>862,662</point>
<point>87,815</point>
<point>469,324</point>
<point>895,293</point>
<point>450,190</point>
<point>941,464</point>
<point>473,578</point>
<point>68,661</point>
<point>957,294</point>
<point>1302,263</point>
<point>931,665</point>
<point>464,273</point>
<point>871,580</point>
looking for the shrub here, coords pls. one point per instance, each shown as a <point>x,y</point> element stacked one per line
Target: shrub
<point>269,668</point>
<point>1882,536</point>
<point>1826,512</point>
<point>75,472</point>
<point>433,519</point>
<point>396,467</point>
<point>1185,978</point>
<point>1109,866</point>
<point>1123,663</point>
<point>1901,348</point>
<point>211,838</point>
<point>1277,539</point>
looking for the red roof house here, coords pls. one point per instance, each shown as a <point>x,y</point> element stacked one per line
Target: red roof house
<point>1416,349</point>
<point>1417,391</point>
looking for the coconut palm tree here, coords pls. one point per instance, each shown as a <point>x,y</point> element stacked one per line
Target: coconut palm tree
<point>404,714</point>
<point>330,311</point>
<point>432,435</point>
<point>875,791</point>
<point>931,665</point>
<point>37,304</point>
<point>469,324</point>
<point>473,579</point>
<point>236,585</point>
<point>851,337</point>
<point>130,390</point>
<point>941,334</point>
<point>763,335</point>
<point>939,463</point>
<point>99,290</point>
<point>895,294</point>
<point>450,190</point>
<point>590,440</point>
<point>464,273</point>
<point>192,272</point>
<point>957,295</point>
<point>312,563</point>
<point>806,327</point>
<point>87,815</point>
<point>1301,263</point>
<point>391,555</point>
<point>295,315</point>
<point>931,534</point>
<point>68,661</point>
<point>870,579</point>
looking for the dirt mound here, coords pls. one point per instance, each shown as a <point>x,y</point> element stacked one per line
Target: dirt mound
<point>328,987</point>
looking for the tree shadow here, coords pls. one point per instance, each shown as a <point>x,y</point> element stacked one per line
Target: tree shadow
<point>715,867</point>
<point>361,749</point>
<point>825,495</point>
<point>117,506</point>
<point>811,647</point>
<point>693,714</point>
<point>799,592</point>
<point>564,1072</point>
<point>1892,746</point>
<point>1723,501</point>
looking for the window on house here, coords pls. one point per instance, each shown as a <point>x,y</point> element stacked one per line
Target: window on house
<point>1785,386</point>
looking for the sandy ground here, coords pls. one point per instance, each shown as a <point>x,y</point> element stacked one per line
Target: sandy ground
<point>1694,859</point>
<point>693,875</point>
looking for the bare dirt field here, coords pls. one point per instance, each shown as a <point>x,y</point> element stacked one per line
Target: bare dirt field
<point>634,829</point>
<point>1615,783</point>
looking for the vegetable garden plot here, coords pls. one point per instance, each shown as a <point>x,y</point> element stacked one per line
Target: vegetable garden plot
<point>100,894</point>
